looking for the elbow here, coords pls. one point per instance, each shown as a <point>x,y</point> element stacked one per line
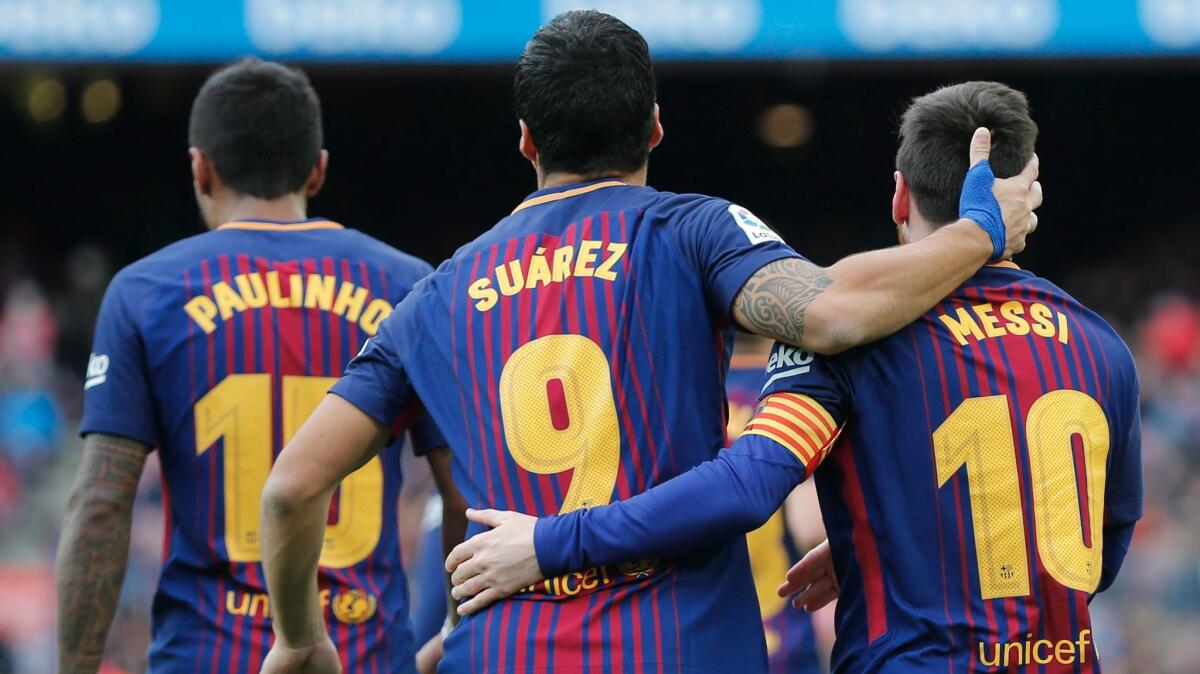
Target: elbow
<point>283,495</point>
<point>833,326</point>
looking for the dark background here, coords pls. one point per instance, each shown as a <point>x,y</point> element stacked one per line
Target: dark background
<point>426,159</point>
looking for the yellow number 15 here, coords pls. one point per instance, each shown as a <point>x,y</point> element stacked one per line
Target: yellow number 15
<point>978,434</point>
<point>239,410</point>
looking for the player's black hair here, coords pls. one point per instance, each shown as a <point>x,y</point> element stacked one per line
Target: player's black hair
<point>260,123</point>
<point>585,87</point>
<point>935,138</point>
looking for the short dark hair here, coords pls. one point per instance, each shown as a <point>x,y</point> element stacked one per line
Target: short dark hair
<point>260,123</point>
<point>585,88</point>
<point>935,139</point>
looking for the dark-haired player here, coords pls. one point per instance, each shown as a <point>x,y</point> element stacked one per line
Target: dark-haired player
<point>575,354</point>
<point>982,467</point>
<point>214,350</point>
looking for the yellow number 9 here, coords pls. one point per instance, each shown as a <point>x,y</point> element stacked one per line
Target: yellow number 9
<point>556,402</point>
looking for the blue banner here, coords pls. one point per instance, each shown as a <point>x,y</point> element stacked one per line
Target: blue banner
<point>462,31</point>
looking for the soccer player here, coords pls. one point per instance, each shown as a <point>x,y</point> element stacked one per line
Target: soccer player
<point>575,354</point>
<point>791,641</point>
<point>214,350</point>
<point>982,470</point>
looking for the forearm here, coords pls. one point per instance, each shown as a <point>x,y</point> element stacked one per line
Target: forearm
<point>730,495</point>
<point>94,549</point>
<point>876,293</point>
<point>454,514</point>
<point>90,569</point>
<point>293,530</point>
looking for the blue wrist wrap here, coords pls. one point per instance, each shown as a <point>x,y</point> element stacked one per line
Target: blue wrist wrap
<point>979,204</point>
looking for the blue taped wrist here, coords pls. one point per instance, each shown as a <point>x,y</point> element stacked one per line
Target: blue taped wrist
<point>979,204</point>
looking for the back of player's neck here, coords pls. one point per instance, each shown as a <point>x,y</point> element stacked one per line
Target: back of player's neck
<point>558,179</point>
<point>288,208</point>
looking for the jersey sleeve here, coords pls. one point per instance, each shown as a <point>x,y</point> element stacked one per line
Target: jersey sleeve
<point>789,435</point>
<point>725,243</point>
<point>375,381</point>
<point>1123,497</point>
<point>117,397</point>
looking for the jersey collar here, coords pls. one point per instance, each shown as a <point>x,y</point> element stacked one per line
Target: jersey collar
<point>281,225</point>
<point>567,191</point>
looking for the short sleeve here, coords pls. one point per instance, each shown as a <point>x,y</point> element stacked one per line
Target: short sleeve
<point>375,381</point>
<point>803,405</point>
<point>117,396</point>
<point>726,243</point>
<point>791,369</point>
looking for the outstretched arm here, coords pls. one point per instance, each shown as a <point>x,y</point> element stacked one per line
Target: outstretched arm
<point>868,296</point>
<point>94,547</point>
<point>335,441</point>
<point>732,494</point>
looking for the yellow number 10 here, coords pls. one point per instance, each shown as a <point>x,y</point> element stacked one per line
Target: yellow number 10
<point>239,410</point>
<point>556,402</point>
<point>978,434</point>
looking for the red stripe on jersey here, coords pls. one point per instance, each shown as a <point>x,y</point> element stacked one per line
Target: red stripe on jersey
<point>658,641</point>
<point>524,482</point>
<point>592,315</point>
<point>520,655</point>
<point>471,349</point>
<point>503,632</point>
<point>865,550</point>
<point>962,544</point>
<point>498,446</point>
<point>912,333</point>
<point>337,365</point>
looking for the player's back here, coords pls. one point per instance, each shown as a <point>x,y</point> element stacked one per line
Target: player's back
<point>989,449</point>
<point>583,361</point>
<point>240,331</point>
<point>791,642</point>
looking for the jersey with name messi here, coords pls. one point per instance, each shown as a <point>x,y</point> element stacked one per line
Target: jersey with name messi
<point>986,482</point>
<point>215,350</point>
<point>981,478</point>
<point>791,642</point>
<point>575,354</point>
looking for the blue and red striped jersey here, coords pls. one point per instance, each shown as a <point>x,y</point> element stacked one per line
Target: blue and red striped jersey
<point>575,354</point>
<point>986,482</point>
<point>981,478</point>
<point>215,350</point>
<point>791,641</point>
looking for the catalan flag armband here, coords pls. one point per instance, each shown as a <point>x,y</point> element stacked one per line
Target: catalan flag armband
<point>797,422</point>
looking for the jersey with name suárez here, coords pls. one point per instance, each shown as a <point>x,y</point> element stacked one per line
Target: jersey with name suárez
<point>215,350</point>
<point>575,354</point>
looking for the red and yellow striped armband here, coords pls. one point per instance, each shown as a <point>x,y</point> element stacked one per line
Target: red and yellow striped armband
<point>797,422</point>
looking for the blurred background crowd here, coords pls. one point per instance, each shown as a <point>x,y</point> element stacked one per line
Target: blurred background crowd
<point>423,156</point>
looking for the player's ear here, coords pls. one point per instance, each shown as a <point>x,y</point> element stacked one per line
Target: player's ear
<point>656,135</point>
<point>202,171</point>
<point>525,145</point>
<point>316,178</point>
<point>900,199</point>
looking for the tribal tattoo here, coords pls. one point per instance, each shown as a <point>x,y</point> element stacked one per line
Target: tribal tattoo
<point>773,303</point>
<point>94,548</point>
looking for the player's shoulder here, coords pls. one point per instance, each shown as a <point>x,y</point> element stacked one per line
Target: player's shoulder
<point>164,261</point>
<point>404,265</point>
<point>1097,328</point>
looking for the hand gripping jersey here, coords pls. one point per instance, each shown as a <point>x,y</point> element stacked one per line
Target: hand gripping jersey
<point>982,482</point>
<point>215,350</point>
<point>575,355</point>
<point>791,642</point>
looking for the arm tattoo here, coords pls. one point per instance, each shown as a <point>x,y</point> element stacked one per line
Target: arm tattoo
<point>94,548</point>
<point>774,301</point>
